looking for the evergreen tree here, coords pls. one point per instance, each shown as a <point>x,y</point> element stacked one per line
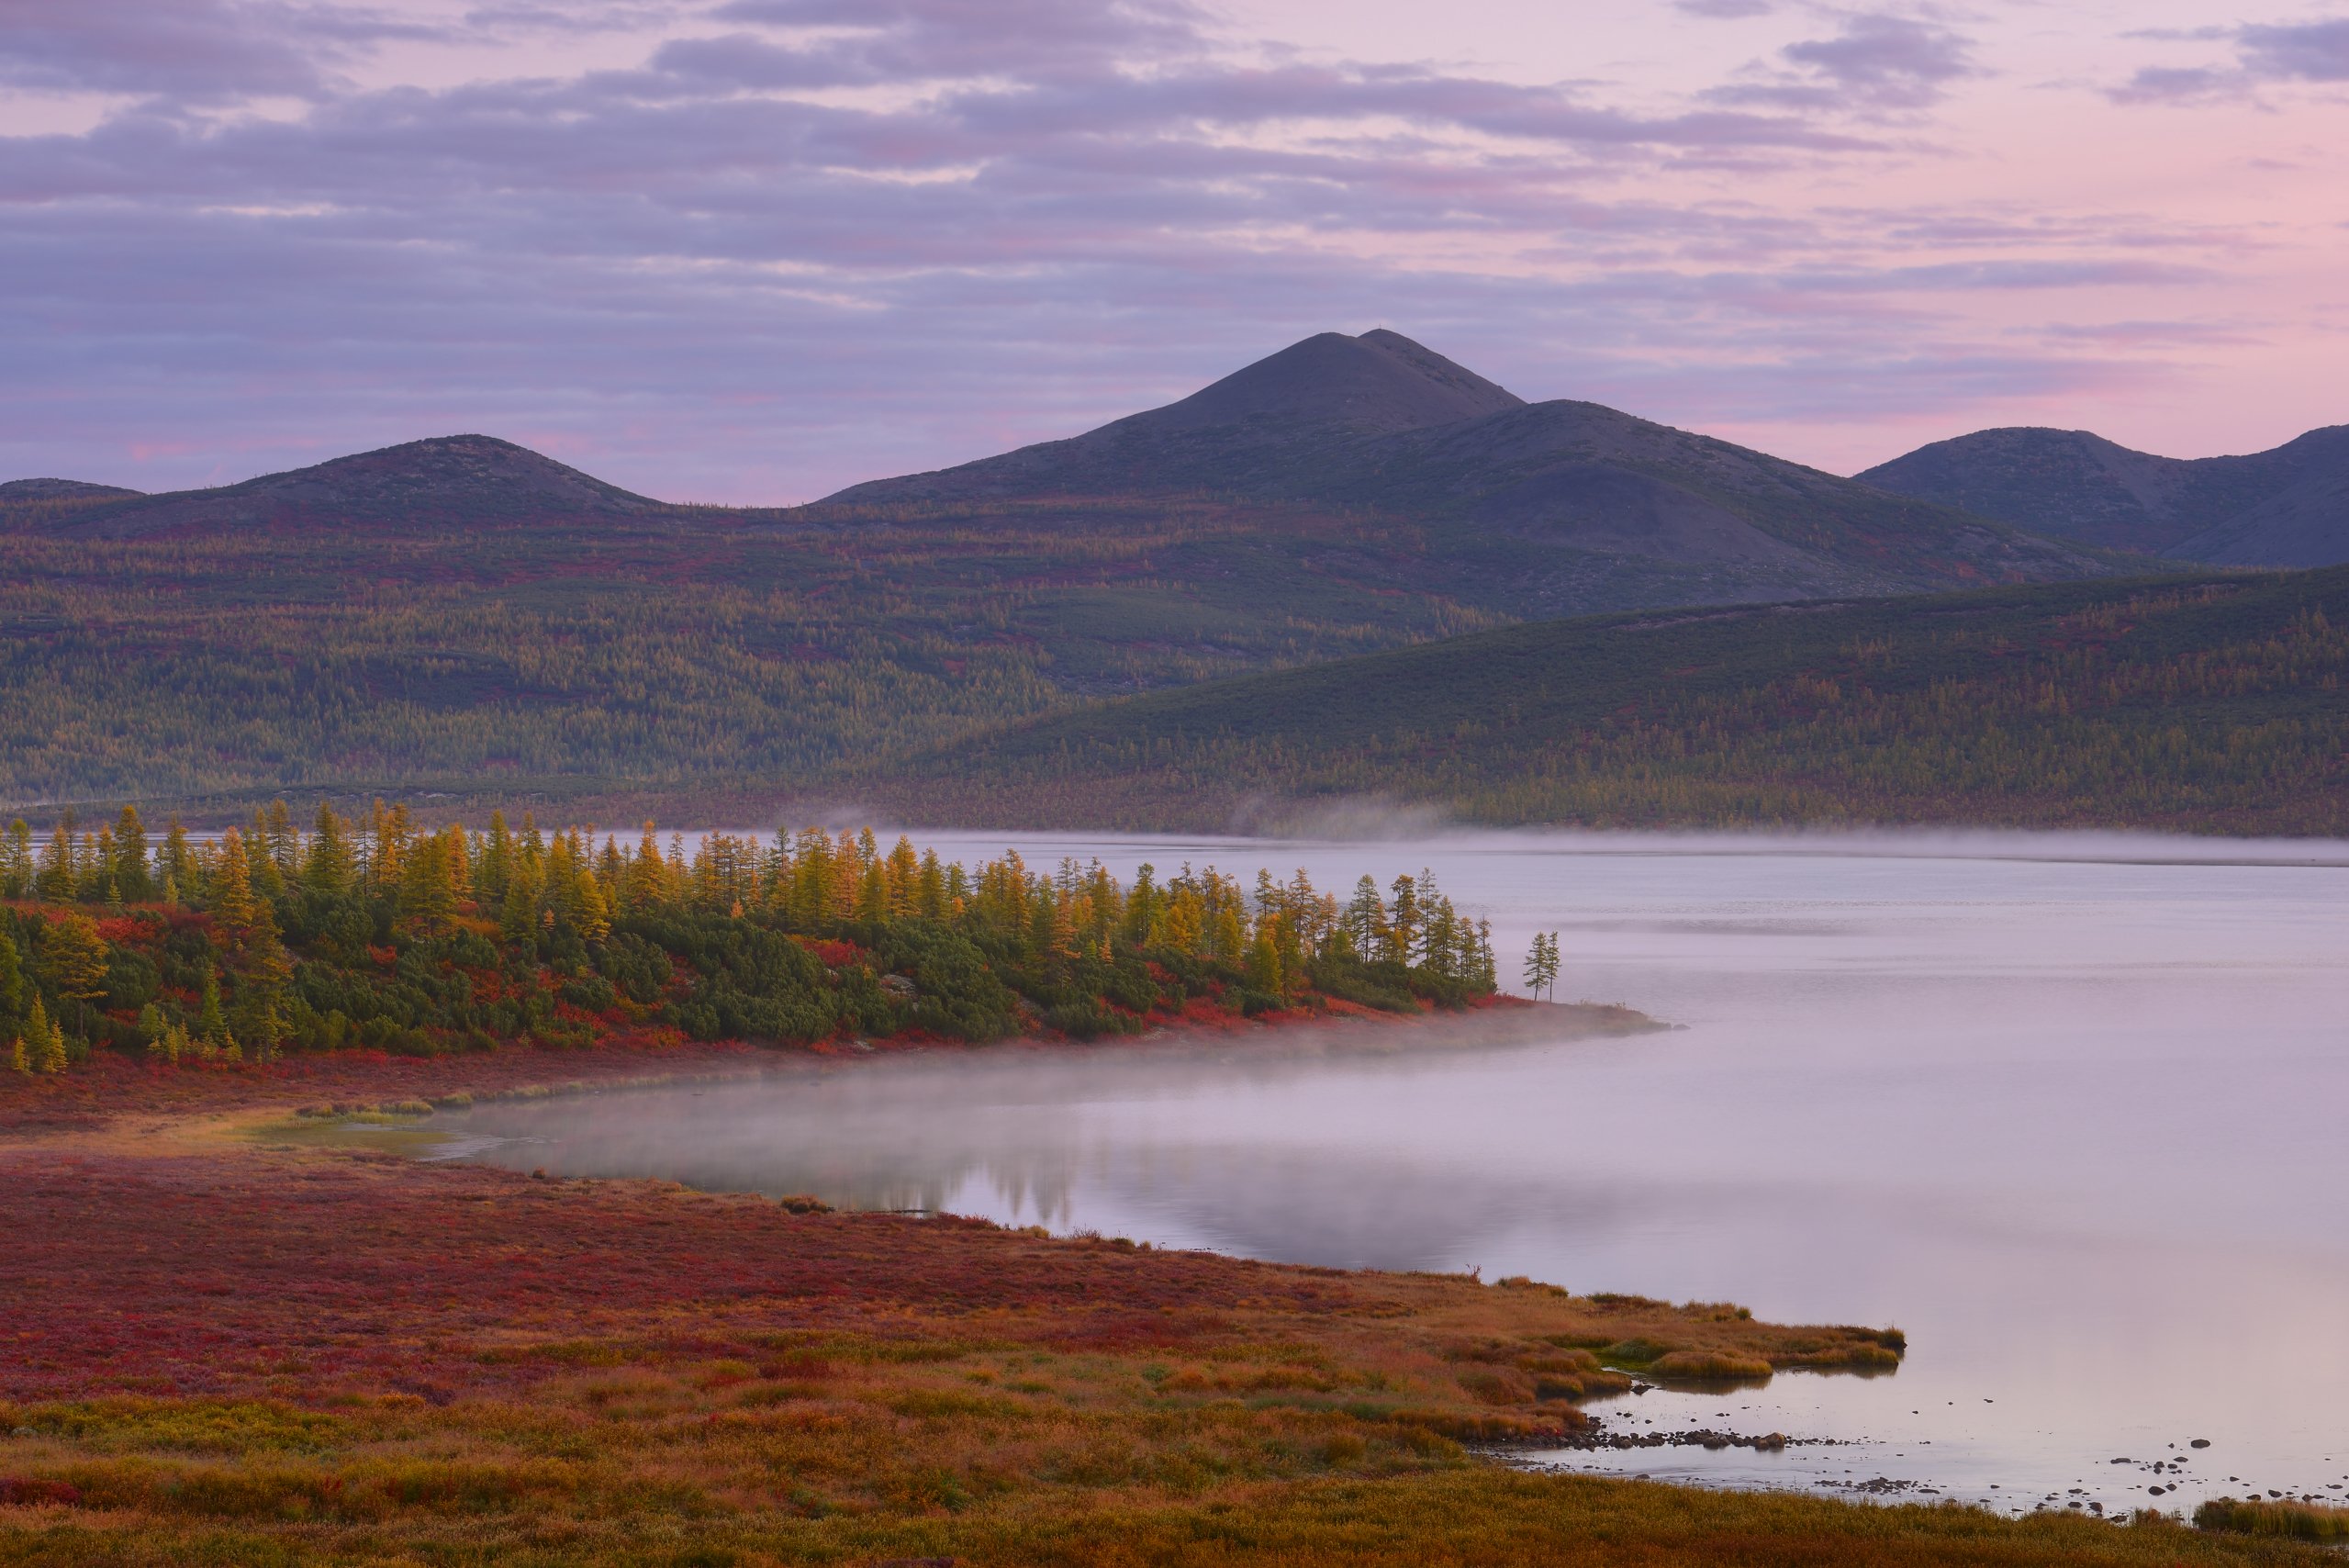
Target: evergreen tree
<point>232,895</point>
<point>1400,943</point>
<point>930,887</point>
<point>133,879</point>
<point>590,913</point>
<point>497,861</point>
<point>428,883</point>
<point>156,1030</point>
<point>44,1042</point>
<point>1143,906</point>
<point>1264,958</point>
<point>904,876</point>
<point>389,837</point>
<point>1541,964</point>
<point>56,880</point>
<point>178,862</point>
<point>1230,940</point>
<point>285,845</point>
<point>12,979</point>
<point>331,866</point>
<point>1289,954</point>
<point>211,1022</point>
<point>518,910</point>
<point>16,860</point>
<point>74,959</point>
<point>261,868</point>
<point>1366,918</point>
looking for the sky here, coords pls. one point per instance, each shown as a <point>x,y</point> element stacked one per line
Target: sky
<point>752,251</point>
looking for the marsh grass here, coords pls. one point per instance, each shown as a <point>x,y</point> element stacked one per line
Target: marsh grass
<point>2262,1516</point>
<point>348,1358</point>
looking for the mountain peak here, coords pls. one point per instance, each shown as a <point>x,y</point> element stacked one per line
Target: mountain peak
<point>1323,390</point>
<point>439,481</point>
<point>1381,380</point>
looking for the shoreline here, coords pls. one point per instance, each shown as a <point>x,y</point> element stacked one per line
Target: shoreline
<point>87,1099</point>
<point>336,1318</point>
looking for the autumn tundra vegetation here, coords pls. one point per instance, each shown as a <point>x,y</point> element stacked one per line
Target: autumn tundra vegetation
<point>226,1338</point>
<point>376,934</point>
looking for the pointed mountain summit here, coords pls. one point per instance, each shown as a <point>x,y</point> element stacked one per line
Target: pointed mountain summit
<point>2287,507</point>
<point>1379,381</point>
<point>1242,432</point>
<point>1598,505</point>
<point>457,480</point>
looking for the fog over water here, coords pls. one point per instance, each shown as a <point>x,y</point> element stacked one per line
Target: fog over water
<point>2074,1112</point>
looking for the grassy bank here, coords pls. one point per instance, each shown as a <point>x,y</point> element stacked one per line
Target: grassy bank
<point>228,1348</point>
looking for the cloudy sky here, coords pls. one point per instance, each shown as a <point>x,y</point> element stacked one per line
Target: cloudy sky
<point>756,250</point>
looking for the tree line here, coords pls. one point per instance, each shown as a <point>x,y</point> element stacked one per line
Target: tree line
<point>378,933</point>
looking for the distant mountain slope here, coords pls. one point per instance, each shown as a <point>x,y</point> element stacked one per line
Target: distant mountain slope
<point>2287,507</point>
<point>467,480</point>
<point>20,490</point>
<point>2305,524</point>
<point>1577,505</point>
<point>2208,702</point>
<point>1582,477</point>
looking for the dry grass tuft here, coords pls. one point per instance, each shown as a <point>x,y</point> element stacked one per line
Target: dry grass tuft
<point>2262,1516</point>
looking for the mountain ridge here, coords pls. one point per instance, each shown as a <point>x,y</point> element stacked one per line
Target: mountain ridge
<point>1523,509</point>
<point>2286,507</point>
<point>1581,479</point>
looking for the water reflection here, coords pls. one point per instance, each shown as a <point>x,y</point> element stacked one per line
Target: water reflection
<point>2072,1122</point>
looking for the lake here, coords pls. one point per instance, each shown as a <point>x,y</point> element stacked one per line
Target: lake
<point>2073,1111</point>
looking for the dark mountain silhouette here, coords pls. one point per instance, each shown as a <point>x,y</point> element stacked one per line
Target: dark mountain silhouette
<point>21,490</point>
<point>1530,509</point>
<point>2288,506</point>
<point>1249,434</point>
<point>447,481</point>
<point>1560,492</point>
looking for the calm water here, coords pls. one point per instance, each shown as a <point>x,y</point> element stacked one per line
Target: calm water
<point>2079,1125</point>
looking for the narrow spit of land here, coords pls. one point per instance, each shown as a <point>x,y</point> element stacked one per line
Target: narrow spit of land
<point>227,1346</point>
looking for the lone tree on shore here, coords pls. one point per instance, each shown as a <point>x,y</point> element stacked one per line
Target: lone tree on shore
<point>1541,964</point>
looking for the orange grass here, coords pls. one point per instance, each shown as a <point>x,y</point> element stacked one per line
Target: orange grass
<point>216,1351</point>
<point>2259,1516</point>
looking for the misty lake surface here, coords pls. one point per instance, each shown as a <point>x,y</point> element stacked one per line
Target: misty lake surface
<point>2073,1113</point>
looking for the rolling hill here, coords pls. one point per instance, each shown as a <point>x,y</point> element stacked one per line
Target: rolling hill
<point>459,481</point>
<point>461,611</point>
<point>18,492</point>
<point>2210,703</point>
<point>2288,506</point>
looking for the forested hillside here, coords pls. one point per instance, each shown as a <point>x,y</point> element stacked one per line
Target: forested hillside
<point>548,653</point>
<point>2212,702</point>
<point>465,616</point>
